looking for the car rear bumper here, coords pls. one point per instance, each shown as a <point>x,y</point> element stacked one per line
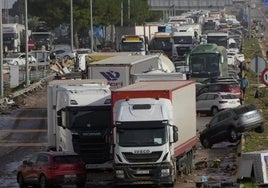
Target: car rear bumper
<point>68,180</point>
<point>250,126</point>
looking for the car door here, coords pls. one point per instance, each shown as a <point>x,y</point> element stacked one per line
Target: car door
<point>200,102</point>
<point>217,132</point>
<point>29,169</point>
<point>210,101</point>
<point>41,164</point>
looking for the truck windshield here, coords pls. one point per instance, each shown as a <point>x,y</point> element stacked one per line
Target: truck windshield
<point>89,119</point>
<point>183,39</point>
<point>9,36</point>
<point>161,44</point>
<point>141,137</point>
<point>132,47</point>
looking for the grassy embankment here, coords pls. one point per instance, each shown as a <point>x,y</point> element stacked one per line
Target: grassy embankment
<point>255,141</point>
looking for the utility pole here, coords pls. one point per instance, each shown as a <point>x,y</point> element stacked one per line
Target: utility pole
<point>72,25</point>
<point>1,54</point>
<point>26,44</point>
<point>249,18</point>
<point>91,26</point>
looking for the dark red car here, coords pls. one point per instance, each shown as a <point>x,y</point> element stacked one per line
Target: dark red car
<point>228,87</point>
<point>46,169</point>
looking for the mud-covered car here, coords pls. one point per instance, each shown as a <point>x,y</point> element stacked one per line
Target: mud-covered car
<point>228,125</point>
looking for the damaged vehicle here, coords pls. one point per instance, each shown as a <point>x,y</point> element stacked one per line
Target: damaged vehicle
<point>228,125</point>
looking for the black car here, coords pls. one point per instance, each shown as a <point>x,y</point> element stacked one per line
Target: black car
<point>228,125</point>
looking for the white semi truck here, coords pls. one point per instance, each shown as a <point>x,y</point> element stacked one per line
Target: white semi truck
<point>13,37</point>
<point>79,120</point>
<point>154,131</point>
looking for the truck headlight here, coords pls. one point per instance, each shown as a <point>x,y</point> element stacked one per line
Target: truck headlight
<point>120,174</point>
<point>165,172</point>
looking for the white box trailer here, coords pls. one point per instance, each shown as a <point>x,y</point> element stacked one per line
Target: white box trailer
<point>119,70</point>
<point>154,131</point>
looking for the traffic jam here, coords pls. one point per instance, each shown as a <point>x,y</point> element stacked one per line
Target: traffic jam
<point>166,107</point>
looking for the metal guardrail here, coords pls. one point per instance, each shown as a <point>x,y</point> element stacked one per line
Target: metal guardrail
<point>41,83</point>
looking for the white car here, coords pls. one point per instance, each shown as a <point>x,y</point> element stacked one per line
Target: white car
<point>213,102</point>
<point>18,59</point>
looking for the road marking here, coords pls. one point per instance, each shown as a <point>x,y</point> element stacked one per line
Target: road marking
<point>23,130</point>
<point>31,144</point>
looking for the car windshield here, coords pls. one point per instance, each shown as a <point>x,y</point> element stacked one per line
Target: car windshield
<point>14,55</point>
<point>66,159</point>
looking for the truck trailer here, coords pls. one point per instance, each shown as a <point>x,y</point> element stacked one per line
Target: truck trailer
<point>119,70</point>
<point>79,120</point>
<point>154,131</point>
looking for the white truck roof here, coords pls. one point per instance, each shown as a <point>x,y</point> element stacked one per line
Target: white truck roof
<point>157,85</point>
<point>126,60</point>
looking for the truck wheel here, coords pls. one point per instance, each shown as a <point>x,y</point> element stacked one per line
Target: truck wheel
<point>206,143</point>
<point>214,110</point>
<point>233,136</point>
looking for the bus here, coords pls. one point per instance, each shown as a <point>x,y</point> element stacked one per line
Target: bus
<point>207,61</point>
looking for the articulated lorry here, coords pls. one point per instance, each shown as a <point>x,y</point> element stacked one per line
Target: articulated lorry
<point>79,120</point>
<point>154,131</point>
<point>119,70</point>
<point>13,37</point>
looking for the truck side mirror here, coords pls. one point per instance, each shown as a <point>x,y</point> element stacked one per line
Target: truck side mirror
<point>175,134</point>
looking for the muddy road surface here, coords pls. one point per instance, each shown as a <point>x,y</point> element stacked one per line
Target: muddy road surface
<point>23,132</point>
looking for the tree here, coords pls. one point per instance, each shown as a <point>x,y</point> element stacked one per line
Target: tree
<point>105,12</point>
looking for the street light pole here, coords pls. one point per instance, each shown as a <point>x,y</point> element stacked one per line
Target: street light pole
<point>1,55</point>
<point>26,44</point>
<point>72,27</point>
<point>91,25</point>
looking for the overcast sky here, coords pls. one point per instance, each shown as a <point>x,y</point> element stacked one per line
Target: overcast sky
<point>7,3</point>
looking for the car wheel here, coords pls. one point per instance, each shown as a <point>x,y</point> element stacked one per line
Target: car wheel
<point>259,129</point>
<point>206,143</point>
<point>20,181</point>
<point>43,182</point>
<point>214,110</point>
<point>233,136</point>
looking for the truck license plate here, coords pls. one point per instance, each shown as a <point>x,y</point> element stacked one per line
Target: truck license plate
<point>142,171</point>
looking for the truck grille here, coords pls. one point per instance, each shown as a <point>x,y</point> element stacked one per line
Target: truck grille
<point>92,151</point>
<point>136,158</point>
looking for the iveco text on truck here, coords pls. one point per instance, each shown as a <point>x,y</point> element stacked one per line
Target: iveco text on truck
<point>79,120</point>
<point>154,131</point>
